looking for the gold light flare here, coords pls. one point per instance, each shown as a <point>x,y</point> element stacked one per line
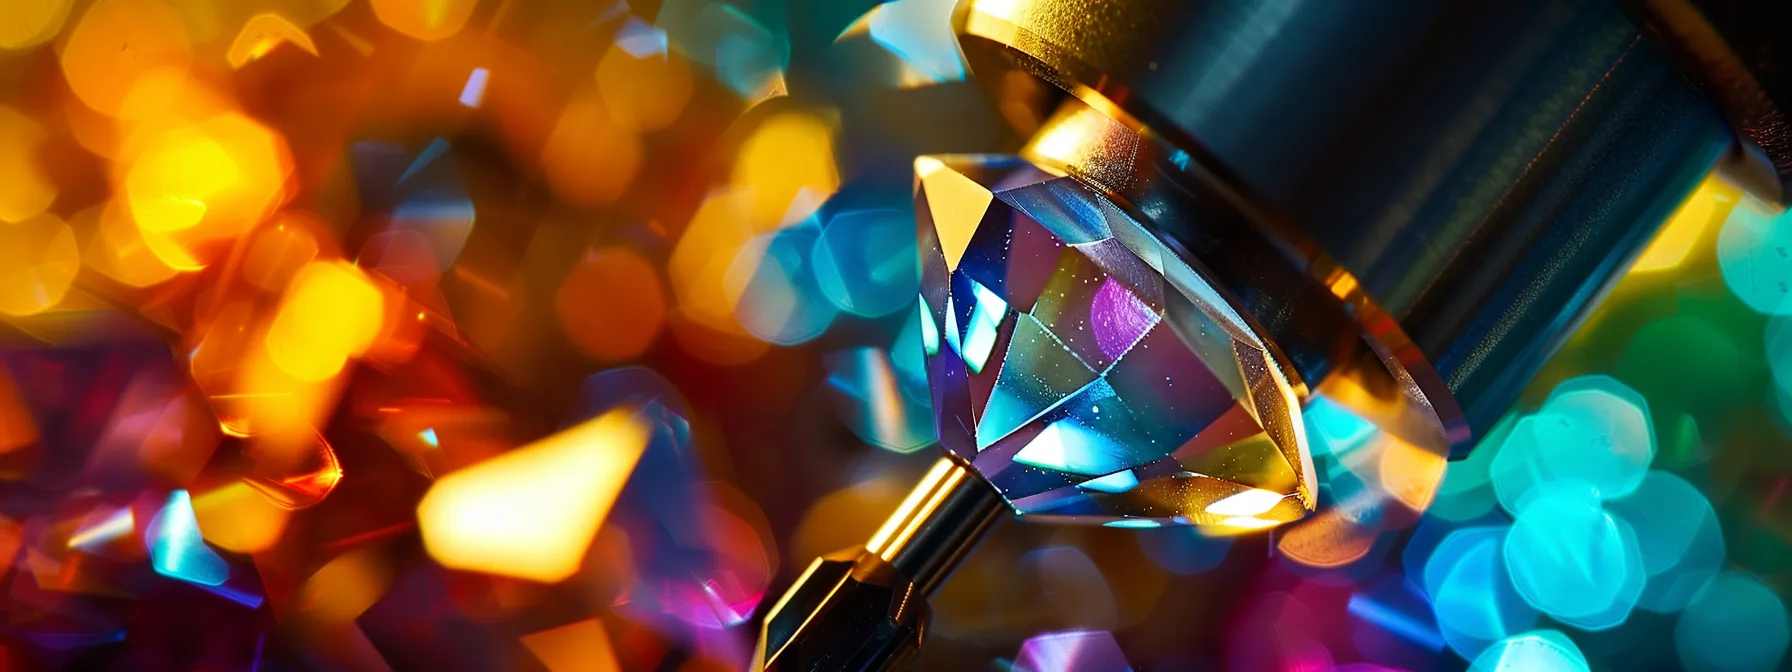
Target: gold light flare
<point>845,517</point>
<point>24,189</point>
<point>1329,539</point>
<point>250,395</point>
<point>280,250</point>
<point>332,312</point>
<point>647,93</point>
<point>1410,474</point>
<point>427,20</point>
<point>611,304</point>
<point>194,189</point>
<point>701,263</point>
<point>38,262</point>
<point>532,512</point>
<point>343,588</point>
<point>575,647</point>
<point>237,519</point>
<point>266,400</point>
<point>1710,203</point>
<point>118,249</point>
<point>28,23</point>
<point>294,469</point>
<point>589,157</point>
<point>787,167</point>
<point>261,34</point>
<point>118,42</point>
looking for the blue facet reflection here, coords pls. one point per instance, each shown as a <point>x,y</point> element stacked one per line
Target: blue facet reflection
<point>865,261</point>
<point>780,300</point>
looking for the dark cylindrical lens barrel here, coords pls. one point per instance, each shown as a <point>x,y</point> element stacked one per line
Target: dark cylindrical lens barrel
<point>1483,169</point>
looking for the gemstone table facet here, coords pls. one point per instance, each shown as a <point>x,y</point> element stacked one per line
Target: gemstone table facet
<point>1088,371</point>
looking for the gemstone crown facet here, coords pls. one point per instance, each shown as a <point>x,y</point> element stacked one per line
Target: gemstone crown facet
<point>1088,371</point>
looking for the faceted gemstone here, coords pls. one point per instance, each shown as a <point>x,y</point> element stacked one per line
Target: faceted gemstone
<point>1085,369</point>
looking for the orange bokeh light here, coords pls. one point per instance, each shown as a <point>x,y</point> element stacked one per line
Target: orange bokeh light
<point>611,304</point>
<point>115,45</point>
<point>24,189</point>
<point>427,20</point>
<point>647,93</point>
<point>700,264</point>
<point>28,23</point>
<point>38,262</point>
<point>589,157</point>
<point>118,249</point>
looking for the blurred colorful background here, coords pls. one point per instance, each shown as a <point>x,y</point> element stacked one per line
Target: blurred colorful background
<point>517,334</point>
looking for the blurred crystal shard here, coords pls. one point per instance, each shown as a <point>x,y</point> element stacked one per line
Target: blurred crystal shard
<point>532,512</point>
<point>688,551</point>
<point>1082,650</point>
<point>877,402</point>
<point>1087,370</point>
<point>425,196</point>
<point>176,549</point>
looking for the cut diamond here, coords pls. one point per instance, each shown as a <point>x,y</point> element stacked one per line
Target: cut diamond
<point>1085,369</point>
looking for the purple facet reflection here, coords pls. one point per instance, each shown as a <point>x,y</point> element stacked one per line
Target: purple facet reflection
<point>1119,318</point>
<point>1071,651</point>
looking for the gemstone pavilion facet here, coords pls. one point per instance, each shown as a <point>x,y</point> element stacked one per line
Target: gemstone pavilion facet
<point>1088,371</point>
